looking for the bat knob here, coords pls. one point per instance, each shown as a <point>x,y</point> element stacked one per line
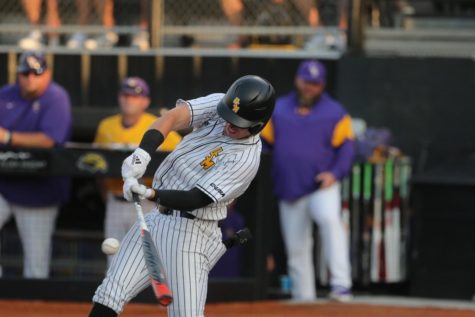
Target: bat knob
<point>243,235</point>
<point>165,300</point>
<point>239,238</point>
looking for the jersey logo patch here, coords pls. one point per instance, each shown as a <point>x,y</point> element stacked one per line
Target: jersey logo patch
<point>236,104</point>
<point>208,162</point>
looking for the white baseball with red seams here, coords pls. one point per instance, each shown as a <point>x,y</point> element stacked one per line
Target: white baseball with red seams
<point>110,246</point>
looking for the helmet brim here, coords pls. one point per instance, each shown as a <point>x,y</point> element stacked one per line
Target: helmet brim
<point>231,117</point>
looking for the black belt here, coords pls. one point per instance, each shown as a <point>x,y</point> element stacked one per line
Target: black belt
<point>181,213</point>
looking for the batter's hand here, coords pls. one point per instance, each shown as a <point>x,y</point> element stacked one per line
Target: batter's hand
<point>326,179</point>
<point>131,185</point>
<point>135,164</point>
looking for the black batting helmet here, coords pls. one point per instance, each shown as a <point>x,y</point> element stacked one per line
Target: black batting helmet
<point>248,103</point>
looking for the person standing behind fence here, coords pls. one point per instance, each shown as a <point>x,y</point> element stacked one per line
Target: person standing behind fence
<point>34,112</point>
<point>32,8</point>
<point>312,142</point>
<point>105,10</point>
<point>127,129</point>
<point>234,12</point>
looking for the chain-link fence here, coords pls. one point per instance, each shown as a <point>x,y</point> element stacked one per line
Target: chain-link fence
<point>69,11</point>
<point>171,22</point>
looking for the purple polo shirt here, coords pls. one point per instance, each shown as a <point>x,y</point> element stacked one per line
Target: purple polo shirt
<point>50,114</point>
<point>303,146</point>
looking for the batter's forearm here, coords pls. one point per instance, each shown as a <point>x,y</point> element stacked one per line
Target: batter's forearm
<point>31,139</point>
<point>176,119</point>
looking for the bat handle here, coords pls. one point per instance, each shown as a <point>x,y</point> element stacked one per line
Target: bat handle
<point>136,198</point>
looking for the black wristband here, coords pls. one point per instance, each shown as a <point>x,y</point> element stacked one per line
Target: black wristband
<point>151,140</point>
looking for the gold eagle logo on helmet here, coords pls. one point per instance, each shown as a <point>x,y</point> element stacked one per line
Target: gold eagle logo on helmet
<point>236,104</point>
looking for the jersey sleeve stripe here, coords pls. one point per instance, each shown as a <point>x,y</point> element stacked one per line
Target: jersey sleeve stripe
<point>206,192</point>
<point>192,114</point>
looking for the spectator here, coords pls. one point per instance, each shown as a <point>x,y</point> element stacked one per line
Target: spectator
<point>312,141</point>
<point>105,9</point>
<point>126,130</point>
<point>32,8</point>
<point>330,14</point>
<point>233,9</point>
<point>34,112</point>
<point>234,12</point>
<point>141,39</point>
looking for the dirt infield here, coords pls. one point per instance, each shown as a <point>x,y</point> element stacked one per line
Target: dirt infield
<point>261,309</point>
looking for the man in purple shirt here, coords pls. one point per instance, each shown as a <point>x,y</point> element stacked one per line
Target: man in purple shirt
<point>34,112</point>
<point>312,142</point>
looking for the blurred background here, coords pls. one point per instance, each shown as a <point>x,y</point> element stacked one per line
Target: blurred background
<point>404,70</point>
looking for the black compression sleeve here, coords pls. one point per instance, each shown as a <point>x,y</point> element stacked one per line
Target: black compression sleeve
<point>151,140</point>
<point>185,200</point>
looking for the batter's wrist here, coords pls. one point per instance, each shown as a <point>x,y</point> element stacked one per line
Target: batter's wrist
<point>155,196</point>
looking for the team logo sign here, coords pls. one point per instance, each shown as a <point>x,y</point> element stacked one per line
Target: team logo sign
<point>93,163</point>
<point>236,104</point>
<point>208,162</point>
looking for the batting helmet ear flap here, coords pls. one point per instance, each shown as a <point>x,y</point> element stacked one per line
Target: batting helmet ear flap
<point>256,128</point>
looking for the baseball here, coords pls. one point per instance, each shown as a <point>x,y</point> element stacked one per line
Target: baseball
<point>110,246</point>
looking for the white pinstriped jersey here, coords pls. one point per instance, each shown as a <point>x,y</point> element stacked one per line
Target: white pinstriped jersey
<point>218,165</point>
<point>222,168</point>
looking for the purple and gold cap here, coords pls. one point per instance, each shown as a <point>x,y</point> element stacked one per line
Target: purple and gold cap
<point>312,71</point>
<point>31,61</point>
<point>134,86</point>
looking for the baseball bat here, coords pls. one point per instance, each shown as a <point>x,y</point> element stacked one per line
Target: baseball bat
<point>152,259</point>
<point>394,225</point>
<point>376,237</point>
<point>404,182</point>
<point>355,220</point>
<point>367,224</point>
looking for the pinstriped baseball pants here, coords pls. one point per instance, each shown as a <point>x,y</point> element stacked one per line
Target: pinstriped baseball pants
<point>188,249</point>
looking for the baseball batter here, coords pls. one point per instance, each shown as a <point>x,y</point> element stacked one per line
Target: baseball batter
<point>211,167</point>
